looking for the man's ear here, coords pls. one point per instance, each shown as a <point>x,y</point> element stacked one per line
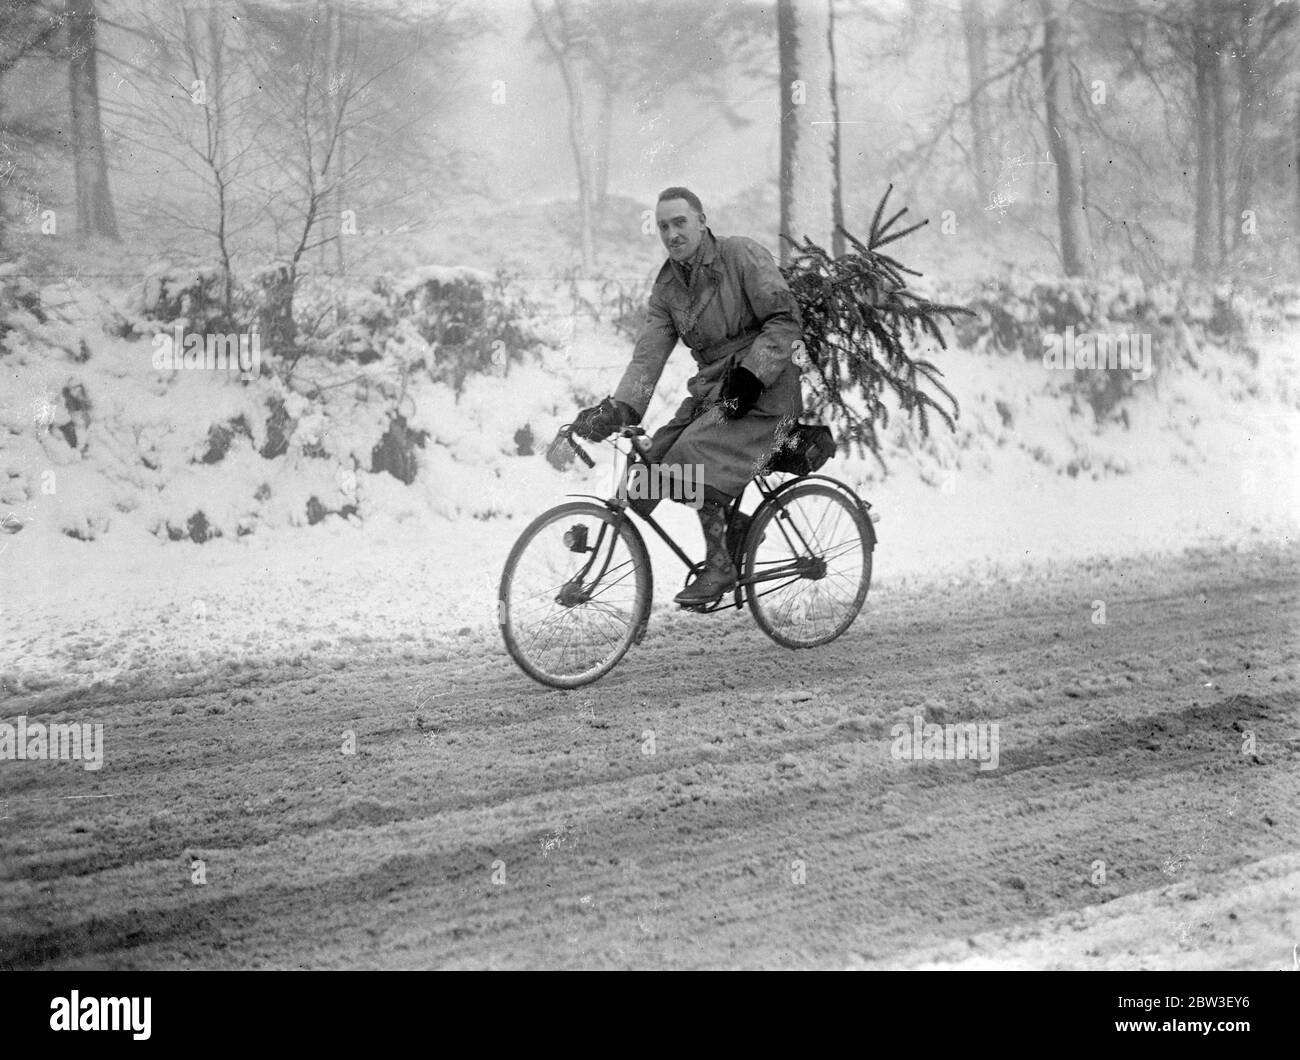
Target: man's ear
<point>703,220</point>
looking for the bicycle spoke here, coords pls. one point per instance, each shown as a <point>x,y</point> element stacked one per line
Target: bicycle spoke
<point>570,616</point>
<point>819,541</point>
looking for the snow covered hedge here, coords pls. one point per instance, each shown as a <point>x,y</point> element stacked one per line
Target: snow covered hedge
<point>1034,316</point>
<point>429,398</point>
<point>391,407</point>
<point>449,322</point>
<point>1013,313</point>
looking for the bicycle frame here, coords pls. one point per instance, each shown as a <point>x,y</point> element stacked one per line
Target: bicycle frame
<point>793,569</point>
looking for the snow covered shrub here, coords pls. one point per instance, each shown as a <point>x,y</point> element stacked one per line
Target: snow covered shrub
<point>395,452</point>
<point>197,298</point>
<point>279,426</point>
<point>1025,315</point>
<point>625,305</point>
<point>470,322</point>
<point>17,294</point>
<point>272,304</point>
<point>1283,303</point>
<point>337,320</point>
<point>450,323</point>
<point>220,437</point>
<point>196,528</point>
<point>1015,312</point>
<point>316,510</point>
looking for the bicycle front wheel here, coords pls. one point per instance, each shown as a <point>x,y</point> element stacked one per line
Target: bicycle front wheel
<point>575,594</point>
<point>808,564</point>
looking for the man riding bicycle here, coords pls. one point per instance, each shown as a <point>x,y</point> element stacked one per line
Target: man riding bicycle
<point>727,301</point>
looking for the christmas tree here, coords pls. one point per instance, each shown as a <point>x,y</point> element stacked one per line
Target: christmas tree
<point>858,319</point>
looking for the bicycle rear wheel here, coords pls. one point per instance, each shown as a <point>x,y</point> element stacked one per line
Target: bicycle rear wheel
<point>575,594</point>
<point>809,551</point>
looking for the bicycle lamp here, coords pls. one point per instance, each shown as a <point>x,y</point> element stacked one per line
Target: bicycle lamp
<point>575,538</point>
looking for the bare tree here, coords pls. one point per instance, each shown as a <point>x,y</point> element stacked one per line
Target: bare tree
<point>1219,109</point>
<point>1198,37</point>
<point>199,116</point>
<point>975,32</point>
<point>1261,27</point>
<point>559,33</point>
<point>1071,207</point>
<point>95,215</point>
<point>27,28</point>
<point>610,55</point>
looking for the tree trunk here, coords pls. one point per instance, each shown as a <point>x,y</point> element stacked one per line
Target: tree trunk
<point>216,147</point>
<point>1251,99</point>
<point>557,40</point>
<point>1071,207</point>
<point>341,149</point>
<point>1220,154</point>
<point>275,309</point>
<point>837,156</point>
<point>977,71</point>
<point>95,215</point>
<point>604,138</point>
<point>1202,58</point>
<point>807,123</point>
<point>787,66</point>
<point>330,215</point>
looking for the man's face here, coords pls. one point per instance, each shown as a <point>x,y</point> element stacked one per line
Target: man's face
<point>680,228</point>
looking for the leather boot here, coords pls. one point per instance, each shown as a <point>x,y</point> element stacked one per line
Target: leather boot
<point>737,528</point>
<point>719,574</point>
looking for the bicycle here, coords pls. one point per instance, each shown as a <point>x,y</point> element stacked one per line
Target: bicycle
<point>577,587</point>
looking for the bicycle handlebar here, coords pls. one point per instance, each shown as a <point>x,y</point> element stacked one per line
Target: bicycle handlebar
<point>565,433</point>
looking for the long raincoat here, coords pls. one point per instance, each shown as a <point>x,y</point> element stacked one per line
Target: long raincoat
<point>737,309</point>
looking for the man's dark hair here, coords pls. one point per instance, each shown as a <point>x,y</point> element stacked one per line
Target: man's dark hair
<point>692,200</point>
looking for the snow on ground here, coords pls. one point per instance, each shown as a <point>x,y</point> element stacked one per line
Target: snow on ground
<point>1208,459</point>
<point>1219,921</point>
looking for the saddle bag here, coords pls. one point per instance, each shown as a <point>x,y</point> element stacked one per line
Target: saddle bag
<point>806,448</point>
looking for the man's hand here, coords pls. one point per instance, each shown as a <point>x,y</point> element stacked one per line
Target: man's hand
<point>599,422</point>
<point>740,392</point>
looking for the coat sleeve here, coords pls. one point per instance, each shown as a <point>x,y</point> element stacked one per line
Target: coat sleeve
<point>657,339</point>
<point>777,311</point>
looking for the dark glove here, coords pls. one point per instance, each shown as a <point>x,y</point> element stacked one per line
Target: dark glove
<point>598,423</point>
<point>740,392</point>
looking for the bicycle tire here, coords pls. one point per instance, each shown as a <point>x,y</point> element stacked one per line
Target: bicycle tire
<point>519,634</point>
<point>767,544</point>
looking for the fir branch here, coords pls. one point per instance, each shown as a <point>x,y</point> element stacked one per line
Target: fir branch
<point>858,320</point>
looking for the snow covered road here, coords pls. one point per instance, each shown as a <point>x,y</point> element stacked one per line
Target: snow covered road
<point>744,811</point>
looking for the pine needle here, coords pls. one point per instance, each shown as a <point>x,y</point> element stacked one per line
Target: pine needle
<point>858,319</point>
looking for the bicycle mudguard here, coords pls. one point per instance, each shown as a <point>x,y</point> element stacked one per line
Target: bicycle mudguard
<point>863,505</point>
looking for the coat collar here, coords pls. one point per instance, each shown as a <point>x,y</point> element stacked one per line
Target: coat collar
<point>704,257</point>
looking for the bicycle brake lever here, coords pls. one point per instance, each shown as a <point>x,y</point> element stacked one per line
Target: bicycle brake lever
<point>553,451</point>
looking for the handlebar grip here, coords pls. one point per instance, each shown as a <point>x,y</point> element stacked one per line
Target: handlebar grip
<point>582,453</point>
